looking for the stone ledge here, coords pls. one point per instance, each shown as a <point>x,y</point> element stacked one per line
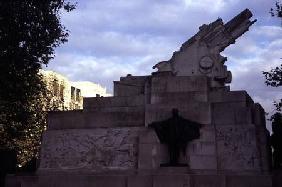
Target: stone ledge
<point>137,180</point>
<point>112,118</point>
<point>230,97</point>
<point>92,103</point>
<point>179,83</point>
<point>178,97</point>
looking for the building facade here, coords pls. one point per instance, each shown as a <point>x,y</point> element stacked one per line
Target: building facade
<point>67,95</point>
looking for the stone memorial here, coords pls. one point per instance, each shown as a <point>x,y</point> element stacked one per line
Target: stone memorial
<point>110,144</point>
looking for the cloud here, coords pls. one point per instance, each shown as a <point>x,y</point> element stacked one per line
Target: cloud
<point>217,5</point>
<point>112,38</point>
<point>255,52</point>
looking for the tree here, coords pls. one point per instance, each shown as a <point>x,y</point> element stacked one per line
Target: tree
<point>274,79</point>
<point>277,12</point>
<point>274,76</point>
<point>30,30</point>
<point>276,140</point>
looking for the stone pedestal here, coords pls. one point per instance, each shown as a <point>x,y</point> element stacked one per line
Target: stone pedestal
<point>109,143</point>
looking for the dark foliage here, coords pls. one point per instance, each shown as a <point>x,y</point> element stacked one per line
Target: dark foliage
<point>276,140</point>
<point>274,79</point>
<point>29,32</point>
<point>274,76</point>
<point>277,11</point>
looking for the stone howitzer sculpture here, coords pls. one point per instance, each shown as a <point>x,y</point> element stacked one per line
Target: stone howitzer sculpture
<point>200,55</point>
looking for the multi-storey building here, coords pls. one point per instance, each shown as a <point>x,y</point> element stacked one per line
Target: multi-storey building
<point>67,95</point>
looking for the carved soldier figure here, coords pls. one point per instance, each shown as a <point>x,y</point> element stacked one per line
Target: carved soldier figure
<point>176,132</point>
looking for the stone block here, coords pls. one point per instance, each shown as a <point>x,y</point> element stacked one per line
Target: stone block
<point>237,148</point>
<point>150,156</point>
<point>230,113</point>
<point>179,84</point>
<point>140,181</point>
<point>114,119</point>
<point>68,180</point>
<point>207,133</point>
<point>94,103</point>
<point>243,115</point>
<point>197,111</point>
<point>90,149</point>
<point>178,97</point>
<point>123,109</point>
<point>106,181</point>
<point>258,115</point>
<point>130,86</point>
<point>248,181</point>
<point>197,147</point>
<point>202,162</point>
<point>208,181</point>
<point>171,181</point>
<point>121,89</point>
<point>65,120</point>
<point>219,96</point>
<point>148,136</point>
<point>110,117</point>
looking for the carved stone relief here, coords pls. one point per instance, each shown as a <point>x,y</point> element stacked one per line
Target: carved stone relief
<point>92,149</point>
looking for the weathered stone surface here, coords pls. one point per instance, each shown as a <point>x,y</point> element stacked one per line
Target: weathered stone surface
<point>178,97</point>
<point>194,111</point>
<point>231,114</point>
<point>109,117</point>
<point>179,84</point>
<point>151,155</point>
<point>207,133</point>
<point>96,103</point>
<point>208,181</point>
<point>237,148</point>
<point>258,115</point>
<point>206,162</point>
<point>130,86</point>
<point>95,150</point>
<point>241,97</point>
<point>65,120</point>
<point>171,181</point>
<point>148,136</point>
<point>247,181</point>
<point>197,147</point>
<point>140,181</point>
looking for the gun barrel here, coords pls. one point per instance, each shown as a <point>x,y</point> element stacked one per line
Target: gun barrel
<point>234,23</point>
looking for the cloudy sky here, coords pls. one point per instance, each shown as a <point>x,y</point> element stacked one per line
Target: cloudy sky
<point>112,38</point>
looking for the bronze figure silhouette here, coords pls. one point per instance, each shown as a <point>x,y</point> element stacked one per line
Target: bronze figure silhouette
<point>176,132</point>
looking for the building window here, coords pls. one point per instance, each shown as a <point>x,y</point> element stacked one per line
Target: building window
<point>78,94</point>
<point>62,88</point>
<point>72,93</point>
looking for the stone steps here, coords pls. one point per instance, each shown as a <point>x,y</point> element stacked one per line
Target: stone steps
<point>139,180</point>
